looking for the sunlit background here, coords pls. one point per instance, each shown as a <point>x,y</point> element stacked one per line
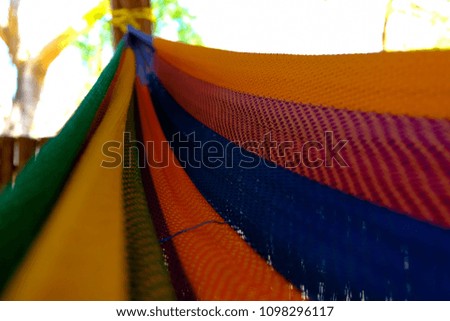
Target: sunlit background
<point>269,26</point>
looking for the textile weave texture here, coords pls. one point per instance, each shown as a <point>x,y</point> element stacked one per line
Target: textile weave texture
<point>198,186</point>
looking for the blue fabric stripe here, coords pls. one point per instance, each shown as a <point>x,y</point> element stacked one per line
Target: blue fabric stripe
<point>335,245</point>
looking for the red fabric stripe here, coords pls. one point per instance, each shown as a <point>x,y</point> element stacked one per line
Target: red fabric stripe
<point>394,161</point>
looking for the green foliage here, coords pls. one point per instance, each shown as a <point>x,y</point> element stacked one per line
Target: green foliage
<point>170,10</point>
<point>92,42</point>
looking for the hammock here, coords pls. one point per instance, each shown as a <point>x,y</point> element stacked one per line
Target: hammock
<point>199,174</point>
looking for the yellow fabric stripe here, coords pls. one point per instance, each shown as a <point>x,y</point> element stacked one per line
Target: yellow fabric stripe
<point>80,253</point>
<point>409,83</point>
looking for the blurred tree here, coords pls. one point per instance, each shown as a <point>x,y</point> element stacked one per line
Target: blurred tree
<point>31,72</point>
<point>90,39</point>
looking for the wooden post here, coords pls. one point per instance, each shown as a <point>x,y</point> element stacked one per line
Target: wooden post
<point>145,25</point>
<point>6,159</point>
<point>27,149</point>
<point>21,149</point>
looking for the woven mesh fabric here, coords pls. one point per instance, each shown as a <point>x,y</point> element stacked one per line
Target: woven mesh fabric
<point>79,253</point>
<point>181,285</point>
<point>217,262</point>
<point>401,83</point>
<point>337,246</point>
<point>24,207</point>
<point>102,109</point>
<point>148,277</point>
<point>180,282</point>
<point>395,161</point>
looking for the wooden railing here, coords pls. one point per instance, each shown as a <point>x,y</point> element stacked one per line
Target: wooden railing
<point>14,154</point>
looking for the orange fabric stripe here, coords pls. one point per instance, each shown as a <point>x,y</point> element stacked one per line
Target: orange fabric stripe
<point>217,262</point>
<point>409,83</point>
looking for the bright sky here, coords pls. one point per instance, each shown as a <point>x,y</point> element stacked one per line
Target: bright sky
<point>290,26</point>
<point>271,26</point>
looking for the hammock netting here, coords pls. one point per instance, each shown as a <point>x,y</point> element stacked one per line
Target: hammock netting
<point>184,175</point>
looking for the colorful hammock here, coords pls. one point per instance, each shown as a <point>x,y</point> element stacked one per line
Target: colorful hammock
<point>286,178</point>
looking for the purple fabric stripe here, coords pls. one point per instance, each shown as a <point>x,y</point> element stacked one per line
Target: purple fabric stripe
<point>398,162</point>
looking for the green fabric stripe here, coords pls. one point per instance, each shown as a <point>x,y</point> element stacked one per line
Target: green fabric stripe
<point>149,277</point>
<point>25,206</point>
